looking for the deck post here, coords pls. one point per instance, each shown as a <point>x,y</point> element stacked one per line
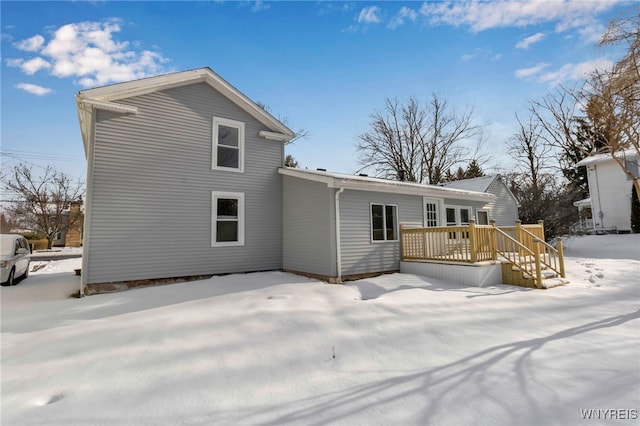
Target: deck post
<point>541,223</point>
<point>401,242</point>
<point>519,236</point>
<point>536,255</point>
<point>494,241</point>
<point>561,256</point>
<point>473,253</point>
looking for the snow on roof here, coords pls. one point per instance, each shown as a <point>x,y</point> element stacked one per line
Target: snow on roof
<point>479,184</point>
<point>583,203</point>
<point>599,158</point>
<point>366,183</point>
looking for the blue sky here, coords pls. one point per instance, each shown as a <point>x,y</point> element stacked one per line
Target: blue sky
<point>324,66</point>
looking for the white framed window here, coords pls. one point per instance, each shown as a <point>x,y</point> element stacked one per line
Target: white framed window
<point>482,217</point>
<point>228,145</point>
<point>227,223</point>
<point>457,215</point>
<point>431,212</point>
<point>384,222</point>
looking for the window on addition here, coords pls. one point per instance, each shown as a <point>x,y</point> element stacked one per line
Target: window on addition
<point>384,222</point>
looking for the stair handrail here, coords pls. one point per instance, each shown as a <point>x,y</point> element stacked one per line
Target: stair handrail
<point>556,266</point>
<point>515,257</point>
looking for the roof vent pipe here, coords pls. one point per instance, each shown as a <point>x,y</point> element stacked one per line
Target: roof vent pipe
<point>401,175</point>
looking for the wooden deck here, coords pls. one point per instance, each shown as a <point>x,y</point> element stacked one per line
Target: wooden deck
<point>527,259</point>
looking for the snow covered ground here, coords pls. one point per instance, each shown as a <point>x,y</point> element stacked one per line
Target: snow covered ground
<point>274,348</point>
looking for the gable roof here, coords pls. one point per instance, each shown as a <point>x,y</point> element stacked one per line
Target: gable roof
<point>600,158</point>
<point>106,98</point>
<point>366,183</point>
<point>480,184</point>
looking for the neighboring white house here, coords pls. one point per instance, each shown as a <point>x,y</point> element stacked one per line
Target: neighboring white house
<point>609,192</point>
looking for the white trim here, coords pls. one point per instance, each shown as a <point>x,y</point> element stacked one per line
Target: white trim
<point>215,195</point>
<point>438,202</point>
<point>272,136</point>
<point>457,209</point>
<point>112,106</point>
<point>217,121</point>
<point>384,223</point>
<point>483,211</point>
<point>183,78</point>
<point>365,183</point>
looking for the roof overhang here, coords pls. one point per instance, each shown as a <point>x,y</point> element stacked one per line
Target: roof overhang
<point>365,183</point>
<point>600,158</point>
<point>106,97</point>
<point>583,203</point>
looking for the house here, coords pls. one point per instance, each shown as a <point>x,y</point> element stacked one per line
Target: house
<point>339,226</point>
<point>71,233</point>
<point>182,181</point>
<point>609,193</point>
<point>186,179</point>
<point>503,209</point>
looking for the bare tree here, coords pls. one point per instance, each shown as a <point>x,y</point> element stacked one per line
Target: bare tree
<point>297,134</point>
<point>415,143</point>
<point>44,201</point>
<point>530,152</point>
<point>613,96</point>
<point>568,132</point>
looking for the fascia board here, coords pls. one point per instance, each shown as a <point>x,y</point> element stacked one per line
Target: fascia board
<point>390,187</point>
<point>163,82</point>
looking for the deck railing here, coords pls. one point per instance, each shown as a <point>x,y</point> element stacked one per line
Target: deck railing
<point>521,245</point>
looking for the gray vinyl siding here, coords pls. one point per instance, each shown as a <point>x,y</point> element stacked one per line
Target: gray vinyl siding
<point>359,254</point>
<point>504,209</point>
<point>309,232</point>
<point>152,184</point>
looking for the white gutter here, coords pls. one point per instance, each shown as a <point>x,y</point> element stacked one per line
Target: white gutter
<point>338,250</point>
<point>272,136</point>
<point>110,106</point>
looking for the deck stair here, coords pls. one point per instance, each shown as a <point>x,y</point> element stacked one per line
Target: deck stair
<point>526,259</point>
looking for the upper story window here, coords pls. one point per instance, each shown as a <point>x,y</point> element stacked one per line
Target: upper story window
<point>384,222</point>
<point>228,144</point>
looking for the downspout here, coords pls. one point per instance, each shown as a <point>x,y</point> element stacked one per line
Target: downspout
<point>600,213</point>
<point>338,250</point>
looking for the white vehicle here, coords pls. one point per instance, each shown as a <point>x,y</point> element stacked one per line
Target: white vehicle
<point>15,256</point>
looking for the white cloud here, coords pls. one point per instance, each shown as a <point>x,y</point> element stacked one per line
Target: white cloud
<point>480,16</point>
<point>369,15</point>
<point>573,72</point>
<point>89,52</point>
<point>531,71</point>
<point>592,33</point>
<point>404,13</point>
<point>33,89</point>
<point>482,53</point>
<point>259,5</point>
<point>30,66</point>
<point>31,44</point>
<point>528,41</point>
